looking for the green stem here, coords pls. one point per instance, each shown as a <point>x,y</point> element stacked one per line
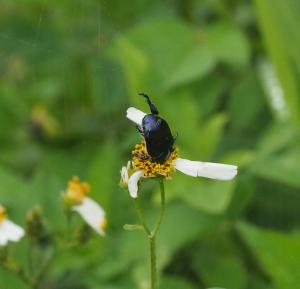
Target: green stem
<point>162,207</point>
<point>152,234</point>
<point>153,262</point>
<point>141,217</point>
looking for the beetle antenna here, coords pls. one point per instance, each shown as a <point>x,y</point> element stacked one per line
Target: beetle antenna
<point>153,108</point>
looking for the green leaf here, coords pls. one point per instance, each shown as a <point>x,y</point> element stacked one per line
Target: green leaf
<point>209,137</point>
<point>135,64</point>
<point>175,283</point>
<point>277,253</point>
<point>283,168</point>
<point>103,174</point>
<point>246,93</point>
<point>196,64</point>
<point>181,225</point>
<point>218,264</point>
<point>9,280</point>
<point>211,196</point>
<point>166,48</point>
<point>227,43</point>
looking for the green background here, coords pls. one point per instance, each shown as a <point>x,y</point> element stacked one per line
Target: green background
<point>226,77</point>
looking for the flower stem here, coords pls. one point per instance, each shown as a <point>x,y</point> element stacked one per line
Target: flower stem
<point>162,207</point>
<point>141,217</point>
<point>153,262</point>
<point>151,234</point>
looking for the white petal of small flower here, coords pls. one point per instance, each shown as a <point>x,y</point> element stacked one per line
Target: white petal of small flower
<point>124,175</point>
<point>133,183</point>
<point>9,231</point>
<point>92,213</point>
<point>208,170</point>
<point>3,240</point>
<point>135,115</point>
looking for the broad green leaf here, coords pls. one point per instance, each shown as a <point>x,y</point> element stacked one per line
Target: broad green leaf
<point>227,43</point>
<point>182,224</point>
<point>166,48</point>
<point>135,64</point>
<point>208,93</point>
<point>277,253</point>
<point>246,94</point>
<point>175,283</point>
<point>103,174</point>
<point>9,280</point>
<point>257,283</point>
<point>209,137</point>
<point>217,263</point>
<point>283,168</point>
<point>196,64</point>
<point>13,188</point>
<point>211,196</point>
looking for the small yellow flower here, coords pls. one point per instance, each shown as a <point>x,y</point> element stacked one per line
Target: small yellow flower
<point>9,231</point>
<point>75,197</point>
<point>76,191</point>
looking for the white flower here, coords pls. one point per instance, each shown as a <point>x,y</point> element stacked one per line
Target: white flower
<point>93,214</point>
<point>75,197</point>
<point>9,231</point>
<point>145,168</point>
<point>125,175</point>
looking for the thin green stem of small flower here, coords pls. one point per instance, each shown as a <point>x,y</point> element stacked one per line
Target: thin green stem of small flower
<point>69,224</point>
<point>152,233</point>
<point>153,262</point>
<point>153,236</point>
<point>141,217</point>
<point>30,258</point>
<point>162,207</point>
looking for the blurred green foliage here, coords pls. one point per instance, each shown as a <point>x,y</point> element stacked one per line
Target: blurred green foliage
<point>226,76</point>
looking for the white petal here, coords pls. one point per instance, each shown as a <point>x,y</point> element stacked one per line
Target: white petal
<point>124,175</point>
<point>133,183</point>
<point>208,170</point>
<point>9,231</point>
<point>92,213</point>
<point>135,115</point>
<point>3,239</point>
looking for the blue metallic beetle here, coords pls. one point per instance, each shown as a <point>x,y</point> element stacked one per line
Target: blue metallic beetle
<point>157,134</point>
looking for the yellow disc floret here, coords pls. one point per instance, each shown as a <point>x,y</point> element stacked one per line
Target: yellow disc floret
<point>3,214</point>
<point>142,161</point>
<point>77,190</point>
<point>103,224</point>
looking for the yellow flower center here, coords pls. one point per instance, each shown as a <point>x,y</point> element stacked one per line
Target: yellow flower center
<point>103,224</point>
<point>77,190</point>
<point>142,161</point>
<point>3,214</point>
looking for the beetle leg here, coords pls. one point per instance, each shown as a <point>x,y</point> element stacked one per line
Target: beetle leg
<point>142,157</point>
<point>140,130</point>
<point>152,107</point>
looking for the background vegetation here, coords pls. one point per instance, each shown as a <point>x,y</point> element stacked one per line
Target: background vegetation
<point>226,76</point>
